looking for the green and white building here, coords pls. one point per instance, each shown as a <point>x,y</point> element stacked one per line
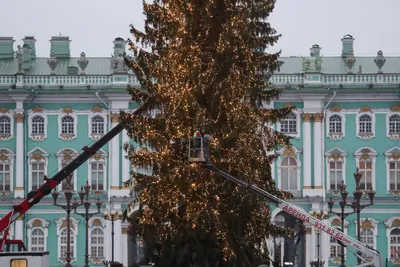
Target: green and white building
<point>50,108</point>
<point>347,116</point>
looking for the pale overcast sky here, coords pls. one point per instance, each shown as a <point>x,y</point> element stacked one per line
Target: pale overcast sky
<point>92,25</point>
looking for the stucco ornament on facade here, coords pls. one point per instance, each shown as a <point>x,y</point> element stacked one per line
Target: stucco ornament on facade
<point>5,111</point>
<point>380,61</point>
<point>53,62</point>
<point>83,62</point>
<point>350,60</point>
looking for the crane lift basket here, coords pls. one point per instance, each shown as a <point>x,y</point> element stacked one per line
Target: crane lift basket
<point>199,153</point>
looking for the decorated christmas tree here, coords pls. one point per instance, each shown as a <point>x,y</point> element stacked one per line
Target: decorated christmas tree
<point>202,64</point>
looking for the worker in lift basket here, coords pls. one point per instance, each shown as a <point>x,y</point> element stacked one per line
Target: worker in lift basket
<point>198,154</point>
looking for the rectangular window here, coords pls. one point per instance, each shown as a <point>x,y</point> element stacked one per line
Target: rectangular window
<point>64,182</point>
<point>97,169</point>
<point>335,250</point>
<point>366,178</point>
<point>394,175</point>
<point>5,176</point>
<point>335,175</point>
<point>37,174</point>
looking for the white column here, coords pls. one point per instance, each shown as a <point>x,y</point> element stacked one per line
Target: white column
<point>107,240</point>
<point>307,153</point>
<point>309,245</point>
<point>124,245</point>
<point>325,247</point>
<point>114,158</point>
<point>20,162</point>
<point>19,228</point>
<point>125,165</point>
<point>117,240</point>
<point>318,152</point>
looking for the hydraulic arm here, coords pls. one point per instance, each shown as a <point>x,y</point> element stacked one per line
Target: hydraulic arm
<point>199,153</point>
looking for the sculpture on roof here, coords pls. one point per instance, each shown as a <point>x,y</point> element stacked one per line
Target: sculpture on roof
<point>53,62</point>
<point>350,60</point>
<point>118,63</point>
<point>19,54</point>
<point>380,61</point>
<point>83,62</point>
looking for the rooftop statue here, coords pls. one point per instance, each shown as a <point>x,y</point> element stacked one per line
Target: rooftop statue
<point>19,54</point>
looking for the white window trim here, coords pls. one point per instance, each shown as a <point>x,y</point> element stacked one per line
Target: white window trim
<point>332,155</point>
<point>365,136</point>
<point>296,156</point>
<point>44,227</point>
<point>336,136</point>
<point>61,155</point>
<point>100,156</point>
<point>374,230</point>
<point>75,117</point>
<point>389,228</point>
<point>74,228</point>
<point>9,157</point>
<point>102,114</point>
<point>44,156</point>
<point>298,121</point>
<point>395,137</point>
<point>31,115</point>
<point>346,224</point>
<point>97,260</point>
<point>372,155</point>
<point>11,116</point>
<point>389,158</point>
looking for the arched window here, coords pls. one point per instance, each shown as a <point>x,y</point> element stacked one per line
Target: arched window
<point>63,243</point>
<point>37,125</point>
<point>367,237</point>
<point>394,124</point>
<point>37,240</point>
<point>97,125</point>
<point>366,159</point>
<point>289,124</point>
<point>67,125</point>
<point>5,125</point>
<point>395,243</point>
<point>289,179</point>
<point>335,124</point>
<point>5,176</point>
<point>97,243</point>
<point>393,169</point>
<point>365,124</point>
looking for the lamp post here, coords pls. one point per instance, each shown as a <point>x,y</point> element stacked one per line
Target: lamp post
<point>84,197</point>
<point>320,216</point>
<point>355,204</point>
<point>112,216</point>
<point>68,207</point>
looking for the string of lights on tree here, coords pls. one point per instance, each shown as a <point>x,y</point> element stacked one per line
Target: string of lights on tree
<point>202,65</point>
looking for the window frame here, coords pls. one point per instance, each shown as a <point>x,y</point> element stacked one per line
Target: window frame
<point>36,155</point>
<point>92,115</point>
<point>335,136</point>
<point>99,157</point>
<point>67,137</point>
<point>367,153</point>
<point>6,137</point>
<point>65,156</point>
<point>98,223</point>
<point>369,223</point>
<point>74,229</point>
<point>365,136</point>
<point>335,154</point>
<point>332,221</point>
<point>394,136</point>
<point>37,223</point>
<point>295,154</point>
<point>392,156</point>
<point>31,116</point>
<point>298,120</point>
<point>7,156</point>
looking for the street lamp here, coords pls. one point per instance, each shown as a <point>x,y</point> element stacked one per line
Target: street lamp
<point>84,198</point>
<point>320,216</point>
<point>358,207</point>
<point>68,208</point>
<point>112,216</point>
<point>355,204</point>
